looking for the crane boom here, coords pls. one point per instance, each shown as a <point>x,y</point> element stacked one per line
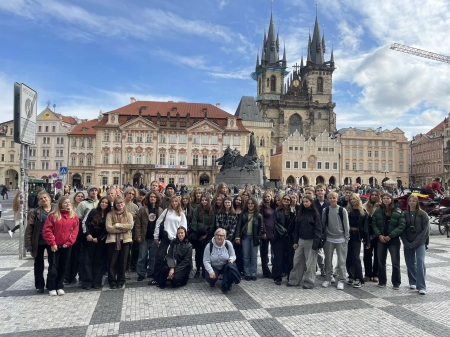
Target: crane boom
<point>420,53</point>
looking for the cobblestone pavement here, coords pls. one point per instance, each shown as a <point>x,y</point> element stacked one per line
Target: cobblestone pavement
<point>250,309</point>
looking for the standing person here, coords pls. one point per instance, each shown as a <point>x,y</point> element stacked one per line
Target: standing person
<point>171,219</point>
<point>34,241</point>
<point>130,195</point>
<point>187,210</point>
<point>94,228</point>
<point>415,238</point>
<point>307,233</point>
<point>370,255</point>
<point>268,215</point>
<point>335,222</point>
<point>359,231</point>
<point>250,230</point>
<point>320,202</point>
<point>112,194</point>
<point>178,261</point>
<point>222,189</point>
<point>217,204</point>
<point>238,205</point>
<point>60,232</point>
<point>119,224</point>
<point>348,190</point>
<point>196,196</point>
<point>282,239</point>
<point>202,225</point>
<point>16,210</point>
<point>169,193</point>
<point>77,199</point>
<point>226,219</point>
<point>144,229</point>
<point>388,224</point>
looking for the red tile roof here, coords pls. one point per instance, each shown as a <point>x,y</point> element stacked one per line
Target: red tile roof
<point>438,127</point>
<point>66,119</point>
<point>85,129</point>
<point>279,150</point>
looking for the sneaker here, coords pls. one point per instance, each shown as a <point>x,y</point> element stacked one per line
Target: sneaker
<point>412,287</point>
<point>10,233</point>
<point>422,292</point>
<point>333,280</point>
<point>52,293</point>
<point>350,281</point>
<point>357,284</point>
<point>140,278</point>
<point>60,292</point>
<point>396,287</point>
<point>112,287</point>
<point>379,285</point>
<point>197,274</point>
<point>366,278</point>
<point>326,284</point>
<point>375,279</point>
<point>127,276</point>
<point>40,291</point>
<point>323,272</point>
<point>340,285</point>
<point>278,282</point>
<point>253,278</point>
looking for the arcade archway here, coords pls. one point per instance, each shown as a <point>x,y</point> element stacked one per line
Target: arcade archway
<point>347,181</point>
<point>304,181</point>
<point>373,181</point>
<point>320,180</point>
<point>76,180</point>
<point>290,180</point>
<point>204,179</point>
<point>332,181</point>
<point>12,178</point>
<point>138,179</point>
<point>359,180</point>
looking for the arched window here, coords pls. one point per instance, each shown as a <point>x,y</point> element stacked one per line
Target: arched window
<point>295,124</point>
<point>260,86</point>
<point>268,83</point>
<point>273,83</point>
<point>320,84</point>
<point>262,142</point>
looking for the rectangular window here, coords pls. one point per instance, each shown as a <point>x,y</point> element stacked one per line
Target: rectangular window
<point>106,136</point>
<point>89,161</point>
<point>40,129</point>
<point>236,140</point>
<point>116,159</point>
<point>11,158</point>
<point>288,164</point>
<point>161,179</point>
<point>195,160</point>
<point>354,166</point>
<point>195,139</point>
<point>162,159</point>
<point>213,160</point>
<point>88,179</point>
<point>361,166</point>
<point>139,158</point>
<point>3,143</point>
<point>172,138</point>
<point>3,157</point>
<point>149,138</point>
<point>401,168</point>
<point>369,153</point>
<point>296,164</point>
<point>383,143</point>
<point>400,146</point>
<point>74,161</point>
<point>347,153</point>
<point>182,159</point>
<point>383,154</point>
<point>12,143</point>
<point>335,166</point>
<point>46,129</point>
<point>376,143</point>
<point>139,138</point>
<point>129,158</point>
<point>53,128</point>
<point>81,161</point>
<point>205,139</point>
<point>303,164</point>
<point>369,166</point>
<point>390,154</point>
<point>74,142</point>
<point>347,142</point>
<point>117,136</point>
<point>182,139</point>
<point>400,155</point>
<point>369,142</point>
<point>390,143</point>
<point>376,166</point>
<point>205,160</point>
<point>354,153</point>
<point>376,154</point>
<point>57,140</point>
<point>104,180</point>
<point>44,165</point>
<point>106,158</point>
<point>327,165</point>
<point>172,159</point>
<point>226,140</point>
<point>116,180</point>
<point>148,158</point>
<point>171,180</point>
<point>347,166</point>
<point>390,167</point>
<point>383,166</point>
<point>162,138</point>
<point>360,153</point>
<point>214,140</point>
<point>82,143</point>
<point>319,165</point>
<point>129,137</point>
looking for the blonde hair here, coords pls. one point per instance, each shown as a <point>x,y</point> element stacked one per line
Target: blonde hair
<point>114,210</point>
<point>16,202</point>
<point>74,199</point>
<point>417,209</point>
<point>178,210</point>
<point>332,194</point>
<point>58,208</point>
<point>359,207</point>
<point>372,206</point>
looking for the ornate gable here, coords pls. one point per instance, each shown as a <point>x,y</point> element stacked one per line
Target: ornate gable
<point>139,124</point>
<point>205,126</point>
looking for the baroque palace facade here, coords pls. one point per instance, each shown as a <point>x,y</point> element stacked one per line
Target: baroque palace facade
<point>173,142</point>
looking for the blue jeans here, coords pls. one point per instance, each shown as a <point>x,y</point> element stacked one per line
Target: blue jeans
<point>415,262</point>
<point>147,252</point>
<point>250,256</point>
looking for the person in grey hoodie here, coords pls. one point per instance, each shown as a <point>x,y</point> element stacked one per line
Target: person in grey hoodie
<point>217,257</point>
<point>415,238</point>
<point>335,222</point>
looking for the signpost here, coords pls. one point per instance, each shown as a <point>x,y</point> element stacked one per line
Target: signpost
<point>25,115</point>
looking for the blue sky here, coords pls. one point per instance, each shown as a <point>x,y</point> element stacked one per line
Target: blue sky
<point>88,56</point>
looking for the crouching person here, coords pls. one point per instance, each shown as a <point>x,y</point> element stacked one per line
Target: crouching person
<point>218,258</point>
<point>178,261</point>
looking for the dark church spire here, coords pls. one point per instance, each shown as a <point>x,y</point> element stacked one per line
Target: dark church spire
<point>317,49</point>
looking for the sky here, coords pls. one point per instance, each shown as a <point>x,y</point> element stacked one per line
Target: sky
<point>91,55</point>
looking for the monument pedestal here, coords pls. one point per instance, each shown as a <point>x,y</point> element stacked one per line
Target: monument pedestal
<point>238,177</point>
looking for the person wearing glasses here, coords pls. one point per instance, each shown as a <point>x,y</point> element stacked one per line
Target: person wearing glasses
<point>282,242</point>
<point>370,254</point>
<point>245,196</point>
<point>130,195</point>
<point>388,224</point>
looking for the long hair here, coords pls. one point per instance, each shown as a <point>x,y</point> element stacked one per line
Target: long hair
<point>359,207</point>
<point>193,193</point>
<point>74,199</point>
<point>302,208</point>
<point>177,210</point>
<point>418,210</point>
<point>188,207</point>
<point>99,212</point>
<point>59,207</point>
<point>389,208</point>
<point>264,204</point>
<point>256,209</point>
<point>218,209</point>
<point>232,211</point>
<point>219,190</point>
<point>369,205</point>
<point>205,209</point>
<point>185,233</point>
<point>114,210</point>
<point>147,199</point>
<point>16,202</point>
<point>234,202</point>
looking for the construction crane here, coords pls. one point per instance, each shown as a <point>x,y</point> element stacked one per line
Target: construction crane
<point>420,53</point>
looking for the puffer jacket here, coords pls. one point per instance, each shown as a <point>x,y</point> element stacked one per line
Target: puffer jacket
<point>309,228</point>
<point>396,225</point>
<point>62,231</point>
<point>124,229</point>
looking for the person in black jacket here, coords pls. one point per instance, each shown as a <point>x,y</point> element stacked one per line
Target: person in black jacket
<point>359,231</point>
<point>179,261</point>
<point>306,238</point>
<point>282,241</point>
<point>94,228</point>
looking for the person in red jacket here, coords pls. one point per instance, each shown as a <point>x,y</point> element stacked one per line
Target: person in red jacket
<point>60,232</point>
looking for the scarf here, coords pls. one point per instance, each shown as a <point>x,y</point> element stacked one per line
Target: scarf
<point>118,243</point>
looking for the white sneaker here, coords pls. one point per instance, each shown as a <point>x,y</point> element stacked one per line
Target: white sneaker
<point>325,284</point>
<point>350,281</point>
<point>60,292</point>
<point>412,287</point>
<point>52,293</point>
<point>333,280</point>
<point>422,292</point>
<point>340,285</point>
<point>10,233</point>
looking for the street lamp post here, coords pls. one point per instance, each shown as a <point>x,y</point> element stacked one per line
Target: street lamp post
<point>385,174</point>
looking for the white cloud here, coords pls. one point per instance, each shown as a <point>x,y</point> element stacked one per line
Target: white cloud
<point>222,4</point>
<point>349,36</point>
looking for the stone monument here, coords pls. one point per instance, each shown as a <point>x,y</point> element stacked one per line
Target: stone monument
<point>241,170</point>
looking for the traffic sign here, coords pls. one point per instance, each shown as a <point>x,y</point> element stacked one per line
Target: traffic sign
<point>25,114</point>
<point>58,185</point>
<point>63,170</point>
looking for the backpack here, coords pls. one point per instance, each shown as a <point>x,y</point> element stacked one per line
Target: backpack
<point>211,247</point>
<point>323,236</point>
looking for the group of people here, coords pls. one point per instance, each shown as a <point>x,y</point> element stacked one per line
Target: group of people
<point>90,236</point>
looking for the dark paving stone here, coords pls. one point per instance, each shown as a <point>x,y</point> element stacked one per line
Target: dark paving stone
<point>436,280</point>
<point>307,309</point>
<point>439,257</point>
<point>28,263</point>
<point>79,331</point>
<point>436,265</point>
<point>414,298</point>
<point>12,277</point>
<point>417,320</point>
<point>241,299</point>
<point>179,321</point>
<point>109,307</point>
<point>6,269</point>
<point>269,327</point>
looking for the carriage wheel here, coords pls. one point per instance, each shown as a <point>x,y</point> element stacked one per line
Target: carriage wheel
<point>444,225</point>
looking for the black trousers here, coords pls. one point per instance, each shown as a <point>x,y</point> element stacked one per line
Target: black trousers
<point>39,266</point>
<point>199,246</point>
<point>239,257</point>
<point>94,258</point>
<point>73,265</point>
<point>264,252</point>
<point>117,260</point>
<point>371,259</point>
<point>179,279</point>
<point>394,250</point>
<point>353,262</point>
<point>60,258</point>
<point>283,252</point>
<point>133,256</point>
<point>160,256</point>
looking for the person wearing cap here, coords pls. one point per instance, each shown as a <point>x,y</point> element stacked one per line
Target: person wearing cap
<point>169,193</point>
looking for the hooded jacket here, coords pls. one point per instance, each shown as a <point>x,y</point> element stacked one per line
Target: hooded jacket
<point>61,232</point>
<point>219,256</point>
<point>35,225</point>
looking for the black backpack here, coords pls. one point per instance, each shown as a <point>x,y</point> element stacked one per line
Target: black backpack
<point>211,247</point>
<point>323,236</point>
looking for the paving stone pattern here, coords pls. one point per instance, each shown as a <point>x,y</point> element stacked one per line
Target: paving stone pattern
<point>251,308</point>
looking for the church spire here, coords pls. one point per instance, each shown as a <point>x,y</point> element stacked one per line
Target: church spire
<point>317,49</point>
<point>271,44</point>
<point>257,60</point>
